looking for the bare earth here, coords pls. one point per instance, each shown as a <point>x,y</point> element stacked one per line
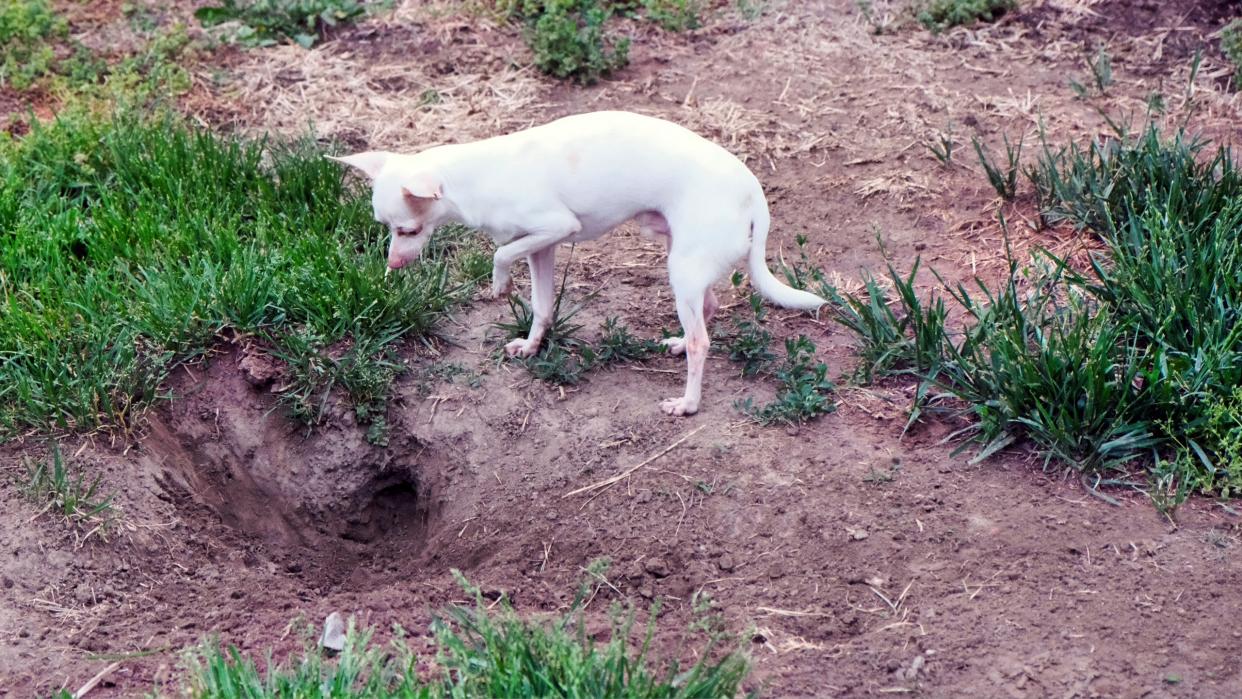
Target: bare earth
<point>857,562</point>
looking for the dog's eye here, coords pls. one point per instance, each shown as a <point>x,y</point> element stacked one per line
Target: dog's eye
<point>405,231</point>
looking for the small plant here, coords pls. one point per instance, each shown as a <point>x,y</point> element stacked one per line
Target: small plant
<point>487,650</point>
<point>939,15</point>
<point>26,30</point>
<point>1231,46</point>
<point>569,41</point>
<point>266,22</point>
<point>1004,179</point>
<point>66,494</point>
<point>942,147</point>
<point>618,345</point>
<point>805,391</point>
<point>675,15</point>
<point>1101,67</point>
<point>750,343</point>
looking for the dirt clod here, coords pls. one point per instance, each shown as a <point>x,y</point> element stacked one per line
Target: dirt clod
<point>657,567</point>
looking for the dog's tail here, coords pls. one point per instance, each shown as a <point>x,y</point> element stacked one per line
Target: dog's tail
<point>762,278</point>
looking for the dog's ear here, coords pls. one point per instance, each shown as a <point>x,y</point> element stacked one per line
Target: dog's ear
<point>422,187</point>
<point>370,162</point>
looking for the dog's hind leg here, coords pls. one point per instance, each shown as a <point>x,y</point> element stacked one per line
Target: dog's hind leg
<point>690,283</point>
<point>677,345</point>
<point>542,295</point>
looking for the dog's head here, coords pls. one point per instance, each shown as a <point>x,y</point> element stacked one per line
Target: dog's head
<point>407,199</point>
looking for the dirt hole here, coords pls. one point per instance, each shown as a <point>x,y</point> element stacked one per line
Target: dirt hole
<point>326,507</point>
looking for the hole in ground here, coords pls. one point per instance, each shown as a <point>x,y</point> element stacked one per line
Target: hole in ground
<point>326,508</point>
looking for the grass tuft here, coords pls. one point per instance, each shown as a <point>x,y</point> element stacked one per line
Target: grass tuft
<point>57,489</point>
<point>487,650</point>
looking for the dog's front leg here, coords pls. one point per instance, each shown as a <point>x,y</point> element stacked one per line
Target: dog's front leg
<point>548,233</point>
<point>542,297</point>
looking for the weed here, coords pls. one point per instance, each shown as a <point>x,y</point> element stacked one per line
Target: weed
<point>1231,46</point>
<point>805,391</point>
<point>750,343</point>
<point>569,41</point>
<point>942,147</point>
<point>26,30</point>
<point>1004,179</point>
<point>487,650</point>
<point>618,345</point>
<point>939,15</point>
<point>266,22</point>
<point>1101,67</point>
<point>675,15</point>
<point>69,495</point>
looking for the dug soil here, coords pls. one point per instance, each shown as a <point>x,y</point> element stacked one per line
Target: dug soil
<point>853,559</point>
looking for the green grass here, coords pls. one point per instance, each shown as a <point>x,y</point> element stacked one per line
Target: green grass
<point>1130,363</point>
<point>939,15</point>
<point>267,22</point>
<point>64,492</point>
<point>27,30</point>
<point>487,650</point>
<point>129,243</point>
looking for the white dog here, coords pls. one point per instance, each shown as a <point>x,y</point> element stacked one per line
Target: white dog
<point>576,179</point>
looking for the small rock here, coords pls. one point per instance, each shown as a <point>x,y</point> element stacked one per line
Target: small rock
<point>333,638</point>
<point>552,516</point>
<point>857,534</point>
<point>657,567</point>
<point>912,673</point>
<point>726,563</point>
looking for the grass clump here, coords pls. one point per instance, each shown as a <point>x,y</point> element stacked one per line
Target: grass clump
<point>57,489</point>
<point>130,242</point>
<point>1129,362</point>
<point>267,22</point>
<point>27,30</point>
<point>939,15</point>
<point>1231,46</point>
<point>487,650</point>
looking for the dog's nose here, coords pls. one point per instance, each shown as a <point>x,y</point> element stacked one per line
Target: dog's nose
<point>395,262</point>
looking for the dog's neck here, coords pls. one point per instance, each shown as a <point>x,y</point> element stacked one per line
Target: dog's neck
<point>473,198</point>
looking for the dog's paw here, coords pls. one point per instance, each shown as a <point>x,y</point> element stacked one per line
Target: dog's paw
<point>675,345</point>
<point>521,348</point>
<point>680,406</point>
<point>501,286</point>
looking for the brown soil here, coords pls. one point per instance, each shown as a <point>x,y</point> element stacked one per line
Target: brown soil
<point>858,562</point>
